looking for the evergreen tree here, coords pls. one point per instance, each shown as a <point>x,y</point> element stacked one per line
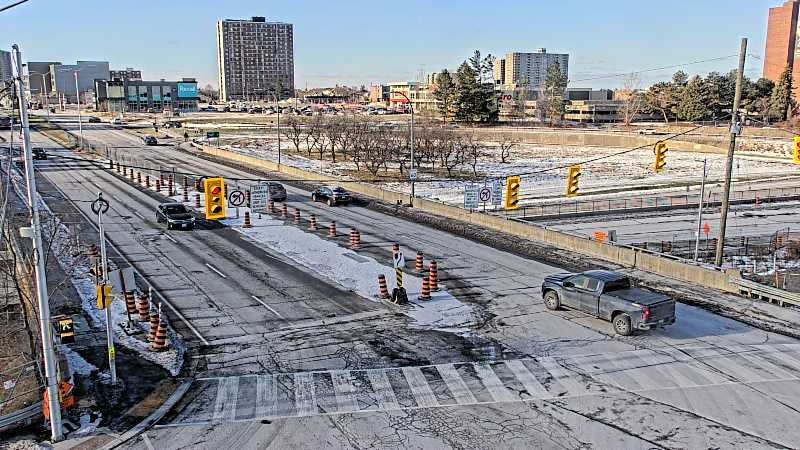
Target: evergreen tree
<point>781,101</point>
<point>468,93</point>
<point>555,85</point>
<point>694,100</point>
<point>445,94</point>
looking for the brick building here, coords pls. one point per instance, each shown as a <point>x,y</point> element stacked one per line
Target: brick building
<point>782,48</point>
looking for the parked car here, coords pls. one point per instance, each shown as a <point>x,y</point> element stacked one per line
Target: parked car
<point>149,140</point>
<point>38,153</point>
<point>609,296</point>
<point>93,119</point>
<point>277,192</point>
<point>175,215</point>
<point>333,196</point>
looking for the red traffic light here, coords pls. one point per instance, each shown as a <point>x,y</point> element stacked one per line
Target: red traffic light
<point>216,190</point>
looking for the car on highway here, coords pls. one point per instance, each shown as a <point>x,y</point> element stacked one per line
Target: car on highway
<point>175,215</point>
<point>117,121</point>
<point>93,119</point>
<point>609,296</point>
<point>333,196</point>
<point>277,192</point>
<point>38,153</point>
<point>173,124</point>
<point>149,140</point>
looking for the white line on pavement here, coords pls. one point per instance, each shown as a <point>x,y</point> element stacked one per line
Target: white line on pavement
<point>215,270</point>
<point>136,213</point>
<point>171,238</point>
<point>267,306</point>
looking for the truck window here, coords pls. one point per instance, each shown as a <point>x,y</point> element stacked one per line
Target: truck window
<point>591,284</point>
<point>617,285</point>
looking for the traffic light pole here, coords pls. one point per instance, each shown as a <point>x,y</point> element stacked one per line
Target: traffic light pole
<point>50,369</point>
<point>726,193</point>
<point>100,206</point>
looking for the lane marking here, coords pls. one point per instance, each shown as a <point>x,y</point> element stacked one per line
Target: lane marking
<point>171,239</point>
<point>215,270</point>
<point>136,213</point>
<point>147,442</point>
<point>267,306</point>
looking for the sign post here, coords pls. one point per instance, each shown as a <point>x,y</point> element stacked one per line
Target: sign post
<point>100,207</point>
<point>399,295</point>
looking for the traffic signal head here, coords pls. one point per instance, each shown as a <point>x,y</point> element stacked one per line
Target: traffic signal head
<point>661,156</point>
<point>796,150</point>
<point>573,180</point>
<point>511,199</point>
<point>215,198</point>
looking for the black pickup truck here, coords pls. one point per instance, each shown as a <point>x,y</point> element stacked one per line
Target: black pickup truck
<point>610,296</point>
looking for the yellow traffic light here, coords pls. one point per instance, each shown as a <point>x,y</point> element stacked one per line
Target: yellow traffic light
<point>103,296</point>
<point>573,180</point>
<point>511,199</point>
<point>661,156</point>
<point>796,150</point>
<point>215,198</point>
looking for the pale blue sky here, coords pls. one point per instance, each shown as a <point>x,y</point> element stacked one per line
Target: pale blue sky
<point>363,42</point>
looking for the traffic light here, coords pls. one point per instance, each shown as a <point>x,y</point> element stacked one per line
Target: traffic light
<point>214,189</point>
<point>796,150</point>
<point>573,180</point>
<point>511,199</point>
<point>661,156</point>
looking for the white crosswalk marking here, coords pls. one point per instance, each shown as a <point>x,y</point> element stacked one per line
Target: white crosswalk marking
<point>304,395</point>
<point>383,390</point>
<point>266,396</point>
<point>493,383</point>
<point>531,384</point>
<point>562,376</point>
<point>225,404</point>
<point>344,390</point>
<point>419,387</point>
<point>456,385</point>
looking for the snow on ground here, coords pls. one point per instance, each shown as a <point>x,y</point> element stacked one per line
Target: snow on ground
<point>87,426</point>
<point>77,364</point>
<point>355,272</point>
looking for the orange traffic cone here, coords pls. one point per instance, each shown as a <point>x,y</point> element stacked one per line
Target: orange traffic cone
<point>332,229</point>
<point>247,223</point>
<point>382,287</point>
<point>425,294</point>
<point>312,223</point>
<point>197,200</point>
<point>433,276</point>
<point>285,212</point>
<point>158,186</point>
<point>297,216</point>
<point>160,338</point>
<point>355,238</point>
<point>144,307</point>
<point>147,181</point>
<point>271,206</point>
<point>419,264</point>
<point>155,317</point>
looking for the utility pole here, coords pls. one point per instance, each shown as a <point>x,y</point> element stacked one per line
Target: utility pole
<point>735,129</point>
<point>78,97</point>
<point>700,211</point>
<point>50,370</point>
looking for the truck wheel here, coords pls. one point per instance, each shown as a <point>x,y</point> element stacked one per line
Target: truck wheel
<point>622,325</point>
<point>551,300</point>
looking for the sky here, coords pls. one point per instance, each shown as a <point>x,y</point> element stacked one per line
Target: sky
<point>355,42</point>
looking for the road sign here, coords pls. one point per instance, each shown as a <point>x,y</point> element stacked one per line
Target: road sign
<point>497,193</point>
<point>212,134</point>
<point>112,352</point>
<point>237,198</point>
<point>485,195</point>
<point>122,277</point>
<point>103,296</point>
<point>259,197</point>
<point>471,196</point>
<point>412,175</point>
<point>66,330</point>
<point>399,260</point>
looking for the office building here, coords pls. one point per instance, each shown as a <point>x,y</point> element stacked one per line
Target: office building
<point>129,74</point>
<point>5,67</point>
<point>146,96</point>
<point>528,68</point>
<point>62,77</point>
<point>781,45</point>
<point>255,59</point>
<point>39,80</point>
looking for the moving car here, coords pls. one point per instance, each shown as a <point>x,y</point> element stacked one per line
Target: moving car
<point>609,296</point>
<point>175,215</point>
<point>331,195</point>
<point>173,124</point>
<point>149,140</point>
<point>93,119</point>
<point>117,121</point>
<point>277,192</point>
<point>38,153</point>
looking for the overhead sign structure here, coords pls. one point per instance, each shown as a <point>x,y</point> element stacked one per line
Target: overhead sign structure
<point>471,196</point>
<point>259,197</point>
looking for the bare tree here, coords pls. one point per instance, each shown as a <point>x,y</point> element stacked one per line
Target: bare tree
<point>632,98</point>
<point>506,142</point>
<point>451,152</point>
<point>294,131</point>
<point>313,134</point>
<point>474,151</point>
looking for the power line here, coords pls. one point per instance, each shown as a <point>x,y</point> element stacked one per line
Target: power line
<point>12,5</point>
<point>655,69</point>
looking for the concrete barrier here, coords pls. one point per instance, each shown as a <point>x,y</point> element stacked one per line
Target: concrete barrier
<point>629,257</point>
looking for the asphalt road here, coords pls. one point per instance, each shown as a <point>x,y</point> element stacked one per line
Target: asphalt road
<point>527,377</point>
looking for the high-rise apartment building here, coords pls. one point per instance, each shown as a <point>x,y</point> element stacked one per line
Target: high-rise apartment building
<point>782,49</point>
<point>255,59</point>
<point>5,67</point>
<point>528,69</point>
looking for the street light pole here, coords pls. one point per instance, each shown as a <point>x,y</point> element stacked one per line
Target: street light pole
<point>51,373</point>
<point>700,211</point>
<point>46,99</point>
<point>80,121</point>
<point>412,175</point>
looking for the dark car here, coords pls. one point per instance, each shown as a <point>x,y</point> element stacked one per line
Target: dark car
<point>175,215</point>
<point>277,192</point>
<point>39,153</point>
<point>331,195</point>
<point>173,124</point>
<point>150,140</point>
<point>94,120</point>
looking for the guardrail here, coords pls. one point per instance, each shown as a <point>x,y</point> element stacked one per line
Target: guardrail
<point>21,417</point>
<point>760,291</point>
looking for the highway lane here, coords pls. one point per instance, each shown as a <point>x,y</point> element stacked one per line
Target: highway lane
<point>507,286</point>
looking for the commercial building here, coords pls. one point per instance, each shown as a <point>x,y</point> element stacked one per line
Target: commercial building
<point>146,96</point>
<point>62,77</point>
<point>782,49</point>
<point>39,80</point>
<point>528,68</point>
<point>5,66</point>
<point>129,74</point>
<point>255,59</point>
